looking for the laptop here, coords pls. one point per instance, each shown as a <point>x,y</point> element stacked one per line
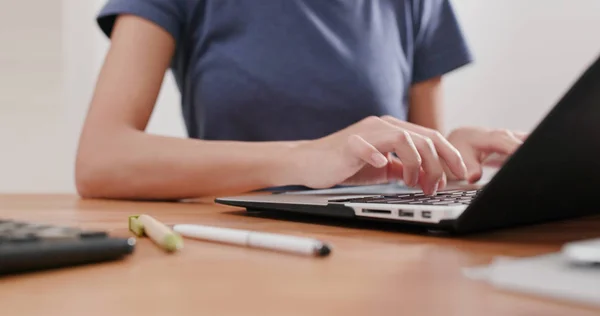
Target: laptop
<point>554,175</point>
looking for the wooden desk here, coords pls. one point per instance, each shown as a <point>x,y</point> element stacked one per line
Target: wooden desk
<point>372,271</point>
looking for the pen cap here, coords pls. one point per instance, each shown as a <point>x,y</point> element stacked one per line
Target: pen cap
<point>136,226</point>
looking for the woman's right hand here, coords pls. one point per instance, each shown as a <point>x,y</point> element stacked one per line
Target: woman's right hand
<point>361,154</point>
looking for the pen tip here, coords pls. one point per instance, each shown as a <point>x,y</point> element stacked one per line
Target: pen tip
<point>323,251</point>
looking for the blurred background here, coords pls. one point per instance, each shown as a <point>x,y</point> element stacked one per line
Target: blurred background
<point>527,54</point>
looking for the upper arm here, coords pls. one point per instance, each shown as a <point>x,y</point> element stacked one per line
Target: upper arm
<point>440,45</point>
<point>125,94</point>
<point>132,74</point>
<point>143,34</point>
<point>425,104</point>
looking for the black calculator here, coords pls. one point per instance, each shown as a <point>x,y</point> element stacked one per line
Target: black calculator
<point>27,246</point>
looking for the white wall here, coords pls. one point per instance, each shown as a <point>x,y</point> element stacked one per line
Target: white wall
<point>528,52</point>
<point>32,112</point>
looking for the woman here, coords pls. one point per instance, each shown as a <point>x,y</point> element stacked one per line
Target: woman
<point>278,92</point>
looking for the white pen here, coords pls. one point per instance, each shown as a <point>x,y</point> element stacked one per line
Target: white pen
<point>292,244</point>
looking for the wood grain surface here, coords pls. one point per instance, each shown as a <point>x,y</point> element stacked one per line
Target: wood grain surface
<point>374,269</point>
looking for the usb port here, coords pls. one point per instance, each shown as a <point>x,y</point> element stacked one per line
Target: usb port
<point>371,211</point>
<point>426,214</point>
<point>402,213</point>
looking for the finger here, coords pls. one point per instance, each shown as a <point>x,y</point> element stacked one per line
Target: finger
<point>409,156</point>
<point>440,185</point>
<point>400,142</point>
<point>473,163</point>
<point>363,150</point>
<point>395,169</point>
<point>494,160</point>
<point>516,136</point>
<point>498,141</point>
<point>521,135</point>
<point>445,149</point>
<point>431,164</point>
<point>443,182</point>
<point>406,125</point>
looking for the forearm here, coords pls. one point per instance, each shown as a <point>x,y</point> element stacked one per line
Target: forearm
<point>116,159</point>
<point>136,165</point>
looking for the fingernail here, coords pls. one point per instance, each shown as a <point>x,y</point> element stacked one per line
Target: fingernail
<point>415,179</point>
<point>410,181</point>
<point>434,189</point>
<point>379,160</point>
<point>473,177</point>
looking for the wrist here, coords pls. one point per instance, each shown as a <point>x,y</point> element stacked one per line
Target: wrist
<point>286,169</point>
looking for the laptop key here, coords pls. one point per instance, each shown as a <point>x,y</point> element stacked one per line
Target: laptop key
<point>447,197</point>
<point>23,238</point>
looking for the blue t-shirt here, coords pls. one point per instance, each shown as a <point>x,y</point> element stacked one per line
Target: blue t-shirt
<point>260,70</point>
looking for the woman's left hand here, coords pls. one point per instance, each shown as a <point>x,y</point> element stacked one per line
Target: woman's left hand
<point>481,147</point>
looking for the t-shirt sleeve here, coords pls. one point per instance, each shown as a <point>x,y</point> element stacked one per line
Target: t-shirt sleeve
<point>440,45</point>
<point>168,14</point>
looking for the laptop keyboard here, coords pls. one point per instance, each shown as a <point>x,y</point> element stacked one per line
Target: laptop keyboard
<point>445,198</point>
